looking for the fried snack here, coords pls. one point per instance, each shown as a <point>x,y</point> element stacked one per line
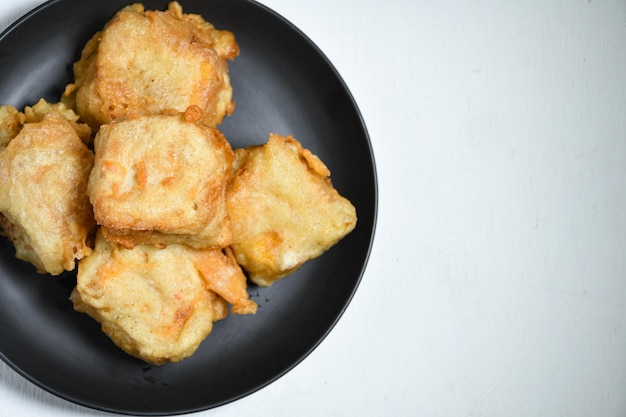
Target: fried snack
<point>43,182</point>
<point>283,209</point>
<point>161,180</point>
<point>151,62</point>
<point>155,303</point>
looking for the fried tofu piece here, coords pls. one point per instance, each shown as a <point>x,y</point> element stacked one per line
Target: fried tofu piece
<point>283,209</point>
<point>155,303</point>
<point>43,183</point>
<point>151,62</point>
<point>161,180</point>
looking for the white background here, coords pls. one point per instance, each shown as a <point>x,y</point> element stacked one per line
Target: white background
<point>497,281</point>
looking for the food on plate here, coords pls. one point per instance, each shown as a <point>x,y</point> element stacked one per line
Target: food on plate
<point>162,179</point>
<point>43,179</point>
<point>283,209</point>
<point>158,304</point>
<point>150,62</point>
<point>129,178</point>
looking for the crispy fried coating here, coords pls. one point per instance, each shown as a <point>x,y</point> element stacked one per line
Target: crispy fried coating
<point>161,180</point>
<point>11,121</point>
<point>224,277</point>
<point>283,209</point>
<point>35,113</point>
<point>43,182</point>
<point>151,62</point>
<point>155,303</point>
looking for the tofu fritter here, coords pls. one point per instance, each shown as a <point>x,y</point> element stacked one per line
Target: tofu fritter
<point>155,303</point>
<point>151,62</point>
<point>43,183</point>
<point>161,180</point>
<point>283,209</point>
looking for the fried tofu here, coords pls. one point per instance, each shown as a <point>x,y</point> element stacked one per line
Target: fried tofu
<point>161,180</point>
<point>156,303</point>
<point>283,208</point>
<point>150,62</point>
<point>43,183</point>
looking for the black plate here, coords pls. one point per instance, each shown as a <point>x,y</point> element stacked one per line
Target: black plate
<point>283,84</point>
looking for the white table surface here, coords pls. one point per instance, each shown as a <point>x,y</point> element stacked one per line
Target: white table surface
<point>496,284</point>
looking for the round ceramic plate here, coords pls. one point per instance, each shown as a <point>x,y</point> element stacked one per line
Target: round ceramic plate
<point>283,84</point>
